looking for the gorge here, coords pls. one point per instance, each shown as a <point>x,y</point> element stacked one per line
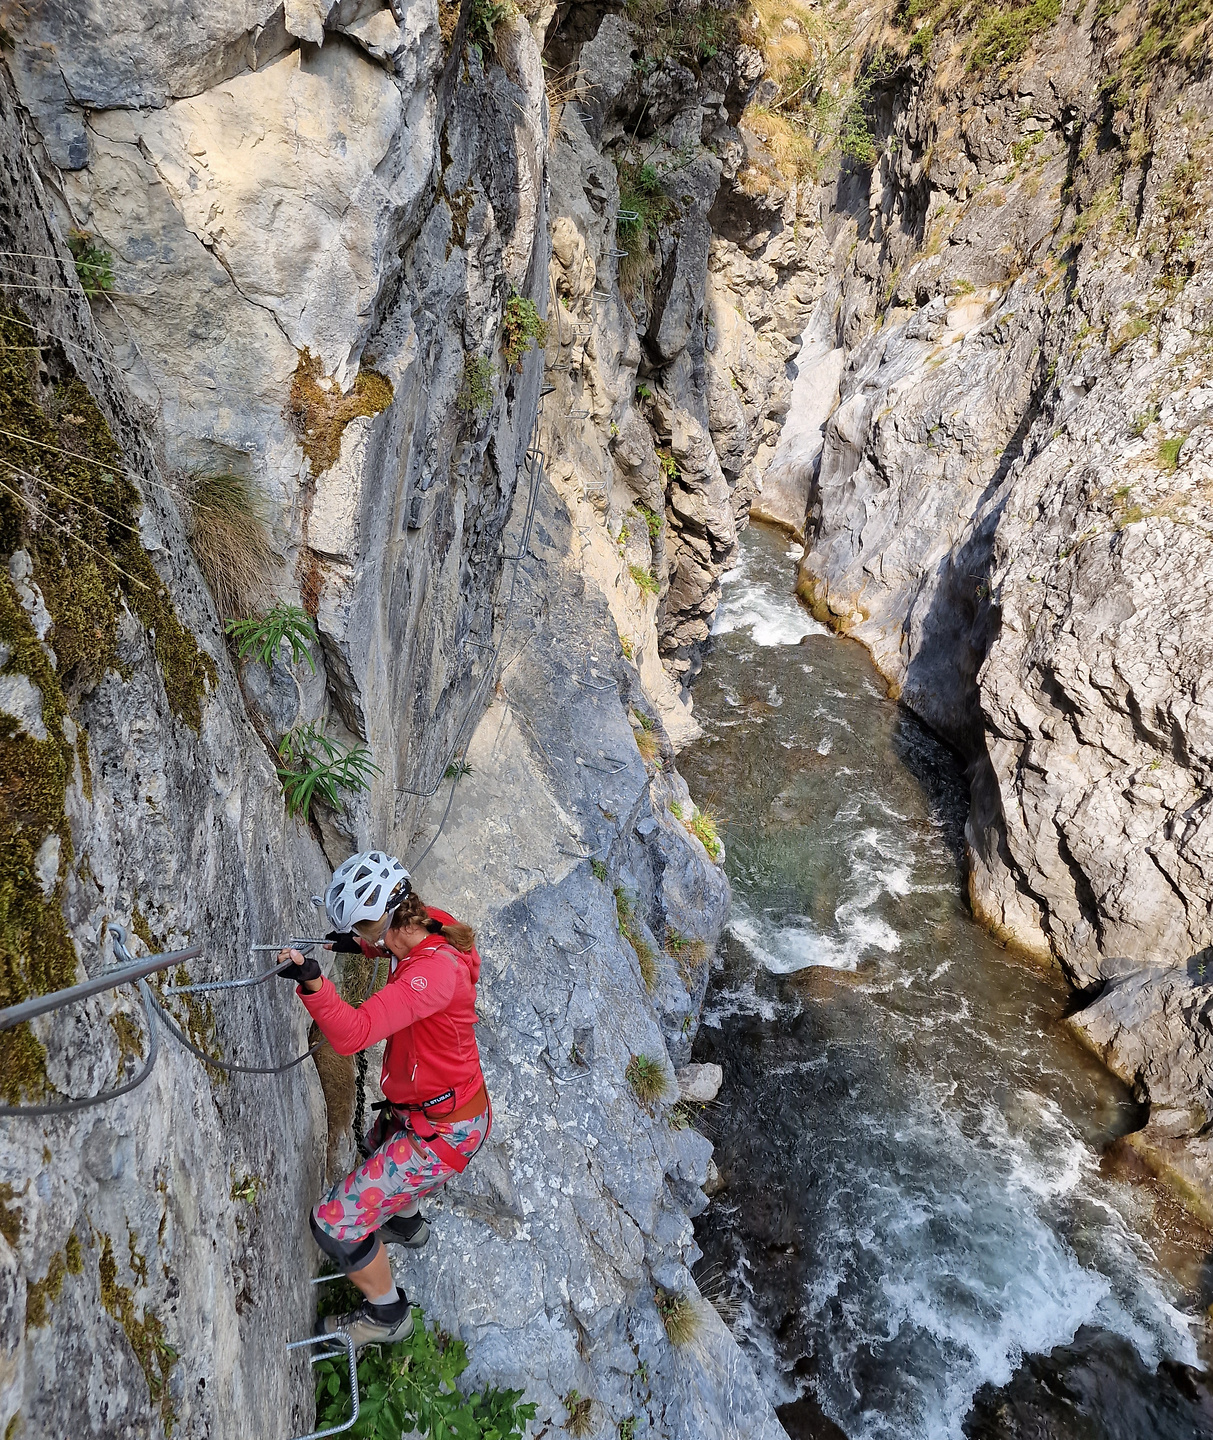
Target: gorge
<point>465,339</point>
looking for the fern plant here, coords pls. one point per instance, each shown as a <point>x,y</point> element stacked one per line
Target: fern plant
<point>314,765</point>
<point>262,635</point>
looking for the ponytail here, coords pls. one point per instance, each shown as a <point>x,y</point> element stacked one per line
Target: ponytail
<point>412,911</point>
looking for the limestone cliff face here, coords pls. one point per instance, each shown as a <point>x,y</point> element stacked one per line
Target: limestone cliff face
<point>317,218</point>
<point>1009,502</point>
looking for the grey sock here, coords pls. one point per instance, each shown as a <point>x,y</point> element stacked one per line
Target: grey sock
<point>389,1297</point>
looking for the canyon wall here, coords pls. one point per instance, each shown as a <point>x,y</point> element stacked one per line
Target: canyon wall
<point>1009,502</point>
<point>273,277</point>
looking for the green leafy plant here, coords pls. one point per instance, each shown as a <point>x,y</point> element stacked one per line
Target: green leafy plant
<point>484,17</point>
<point>1006,33</point>
<point>643,393</point>
<point>652,520</point>
<point>1168,452</point>
<point>627,1428</point>
<point>521,325</point>
<point>649,1079</point>
<point>263,635</point>
<point>669,466</point>
<point>475,397</point>
<point>312,764</point>
<point>680,1316</point>
<point>645,579</point>
<point>94,266</point>
<point>247,1188</point>
<point>411,1386</point>
<point>627,645</point>
<point>599,869</point>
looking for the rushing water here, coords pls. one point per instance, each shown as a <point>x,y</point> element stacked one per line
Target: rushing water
<point>918,1193</point>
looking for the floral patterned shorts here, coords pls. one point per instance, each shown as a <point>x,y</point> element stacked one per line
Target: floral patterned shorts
<point>400,1169</point>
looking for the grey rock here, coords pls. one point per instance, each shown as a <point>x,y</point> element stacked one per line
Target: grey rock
<point>699,1082</point>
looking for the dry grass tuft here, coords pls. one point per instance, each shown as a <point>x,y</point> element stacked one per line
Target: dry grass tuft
<point>680,1316</point>
<point>649,1079</point>
<point>631,932</point>
<point>228,532</point>
<point>581,1413</point>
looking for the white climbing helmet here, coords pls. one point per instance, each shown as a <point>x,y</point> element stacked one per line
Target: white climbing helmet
<point>366,887</point>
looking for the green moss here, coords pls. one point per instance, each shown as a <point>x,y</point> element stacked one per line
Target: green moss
<point>66,502</point>
<point>146,1335</point>
<point>11,1221</point>
<point>73,1254</point>
<point>10,1429</point>
<point>40,1295</point>
<point>319,412</point>
<point>1168,452</point>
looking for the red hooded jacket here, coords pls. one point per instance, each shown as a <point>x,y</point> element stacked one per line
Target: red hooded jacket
<point>426,1012</point>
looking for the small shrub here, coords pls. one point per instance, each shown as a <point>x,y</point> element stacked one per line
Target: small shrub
<point>580,1408</point>
<point>680,1316</point>
<point>313,765</point>
<point>628,648</point>
<point>522,324</point>
<point>475,396</point>
<point>640,194</point>
<point>411,1385</point>
<point>627,1428</point>
<point>226,523</point>
<point>1005,35</point>
<point>669,466</point>
<point>653,521</point>
<point>645,578</point>
<point>318,411</point>
<point>598,869</point>
<point>262,636</point>
<point>1168,452</point>
<point>649,1079</point>
<point>456,770</point>
<point>483,20</point>
<point>94,266</point>
<point>643,393</point>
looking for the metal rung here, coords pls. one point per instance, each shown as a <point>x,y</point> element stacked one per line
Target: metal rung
<point>578,415</point>
<point>241,984</point>
<point>616,254</point>
<point>620,765</point>
<point>348,1344</point>
<point>107,980</point>
<point>547,390</point>
<point>582,330</point>
<point>627,216</point>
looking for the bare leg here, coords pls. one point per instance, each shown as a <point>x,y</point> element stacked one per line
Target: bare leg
<point>375,1277</point>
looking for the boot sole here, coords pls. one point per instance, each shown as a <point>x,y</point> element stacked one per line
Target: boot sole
<point>420,1239</point>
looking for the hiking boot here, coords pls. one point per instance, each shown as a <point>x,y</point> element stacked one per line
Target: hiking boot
<point>410,1230</point>
<point>372,1324</point>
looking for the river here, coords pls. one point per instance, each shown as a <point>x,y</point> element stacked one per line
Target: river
<point>926,1232</point>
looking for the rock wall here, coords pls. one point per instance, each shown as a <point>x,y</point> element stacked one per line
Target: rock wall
<point>318,217</point>
<point>1009,504</point>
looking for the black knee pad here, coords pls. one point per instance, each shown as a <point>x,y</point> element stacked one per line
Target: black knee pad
<point>350,1255</point>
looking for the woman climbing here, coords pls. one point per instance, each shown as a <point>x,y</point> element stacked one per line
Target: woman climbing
<point>437,1113</point>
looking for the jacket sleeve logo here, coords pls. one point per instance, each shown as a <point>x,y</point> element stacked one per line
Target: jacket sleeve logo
<point>418,982</point>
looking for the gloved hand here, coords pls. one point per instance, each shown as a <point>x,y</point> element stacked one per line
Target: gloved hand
<point>301,970</point>
<point>343,944</point>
